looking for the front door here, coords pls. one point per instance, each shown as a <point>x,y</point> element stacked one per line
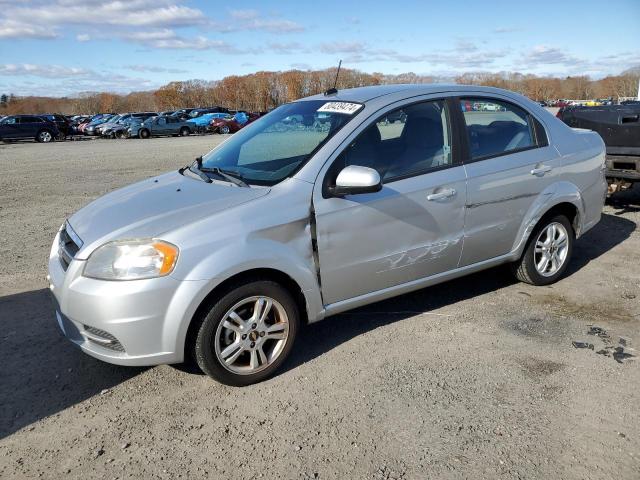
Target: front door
<point>413,227</point>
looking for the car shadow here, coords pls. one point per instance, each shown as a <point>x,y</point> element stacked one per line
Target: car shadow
<point>42,373</point>
<point>319,338</point>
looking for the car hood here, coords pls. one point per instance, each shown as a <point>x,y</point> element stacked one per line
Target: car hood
<point>154,206</point>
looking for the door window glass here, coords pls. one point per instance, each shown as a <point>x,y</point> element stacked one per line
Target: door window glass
<point>495,127</point>
<point>404,142</point>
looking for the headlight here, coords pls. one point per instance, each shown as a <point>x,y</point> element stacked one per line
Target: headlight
<point>132,260</point>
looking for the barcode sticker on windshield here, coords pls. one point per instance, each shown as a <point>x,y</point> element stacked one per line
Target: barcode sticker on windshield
<point>340,107</point>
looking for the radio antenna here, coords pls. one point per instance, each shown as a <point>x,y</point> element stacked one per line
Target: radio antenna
<point>334,90</point>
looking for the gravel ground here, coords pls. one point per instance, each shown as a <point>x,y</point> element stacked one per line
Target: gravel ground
<point>474,378</point>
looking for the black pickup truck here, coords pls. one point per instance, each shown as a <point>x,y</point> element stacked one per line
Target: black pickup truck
<point>619,127</point>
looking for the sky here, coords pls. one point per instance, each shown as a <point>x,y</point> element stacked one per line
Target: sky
<point>64,47</point>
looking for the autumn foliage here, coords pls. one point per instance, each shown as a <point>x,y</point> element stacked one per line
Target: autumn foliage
<point>263,91</point>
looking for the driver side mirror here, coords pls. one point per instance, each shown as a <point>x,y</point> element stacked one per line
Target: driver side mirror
<point>355,179</point>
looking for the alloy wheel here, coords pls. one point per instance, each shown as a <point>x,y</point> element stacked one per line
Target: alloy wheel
<point>251,335</point>
<point>551,249</point>
<point>45,137</point>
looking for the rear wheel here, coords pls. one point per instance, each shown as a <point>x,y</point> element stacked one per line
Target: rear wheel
<point>224,129</point>
<point>44,136</point>
<point>184,131</point>
<point>247,334</point>
<point>144,133</point>
<point>548,252</point>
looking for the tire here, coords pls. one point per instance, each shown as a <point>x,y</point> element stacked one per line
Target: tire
<point>241,346</point>
<point>536,253</point>
<point>44,136</point>
<point>120,134</point>
<point>144,133</point>
<point>224,129</point>
<point>184,131</point>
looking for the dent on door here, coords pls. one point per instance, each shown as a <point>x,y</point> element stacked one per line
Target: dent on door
<point>374,241</point>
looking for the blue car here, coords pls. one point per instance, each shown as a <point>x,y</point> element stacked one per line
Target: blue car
<point>203,121</point>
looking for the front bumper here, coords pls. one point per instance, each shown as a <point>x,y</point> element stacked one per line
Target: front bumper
<point>141,322</point>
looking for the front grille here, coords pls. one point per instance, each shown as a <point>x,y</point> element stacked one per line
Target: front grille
<point>102,338</point>
<point>67,246</point>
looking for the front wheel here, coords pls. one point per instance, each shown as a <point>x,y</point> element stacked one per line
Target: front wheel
<point>144,133</point>
<point>224,129</point>
<point>548,252</point>
<point>184,131</point>
<point>247,334</point>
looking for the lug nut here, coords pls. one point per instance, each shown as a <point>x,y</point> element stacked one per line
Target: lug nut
<point>262,334</point>
<point>244,336</point>
<point>253,344</point>
<point>254,326</point>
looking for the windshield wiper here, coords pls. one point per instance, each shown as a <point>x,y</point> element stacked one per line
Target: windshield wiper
<point>196,169</point>
<point>230,176</point>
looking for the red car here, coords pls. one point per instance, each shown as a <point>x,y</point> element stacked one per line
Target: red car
<point>229,124</point>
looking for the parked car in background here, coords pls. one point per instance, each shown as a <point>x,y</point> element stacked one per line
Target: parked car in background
<point>619,127</point>
<point>182,113</point>
<point>226,258</point>
<point>63,123</point>
<point>25,127</point>
<point>202,122</point>
<point>106,129</point>
<point>233,123</point>
<point>166,113</point>
<point>162,126</point>
<point>90,128</point>
<point>196,112</point>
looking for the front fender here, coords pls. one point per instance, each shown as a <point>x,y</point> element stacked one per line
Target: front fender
<point>294,259</point>
<point>555,194</point>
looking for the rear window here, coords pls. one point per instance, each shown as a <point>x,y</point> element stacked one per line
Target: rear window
<point>495,127</point>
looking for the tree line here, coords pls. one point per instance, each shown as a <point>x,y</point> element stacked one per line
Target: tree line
<point>263,91</point>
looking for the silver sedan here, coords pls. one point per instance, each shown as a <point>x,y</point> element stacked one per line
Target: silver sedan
<point>323,205</point>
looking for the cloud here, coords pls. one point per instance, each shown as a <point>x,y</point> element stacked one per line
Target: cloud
<point>465,54</point>
<point>132,13</point>
<point>167,39</point>
<point>83,37</point>
<point>21,30</point>
<point>68,80</point>
<point>506,30</point>
<point>254,21</point>
<point>285,48</point>
<point>301,66</point>
<point>45,71</point>
<point>343,47</point>
<point>153,69</point>
<point>545,55</point>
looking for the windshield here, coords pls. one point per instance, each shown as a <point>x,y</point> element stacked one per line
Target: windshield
<point>276,145</point>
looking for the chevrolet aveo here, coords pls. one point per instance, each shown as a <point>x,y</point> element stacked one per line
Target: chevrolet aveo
<point>325,204</point>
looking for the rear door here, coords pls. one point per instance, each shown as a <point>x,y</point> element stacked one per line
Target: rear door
<point>509,163</point>
<point>409,230</point>
<point>29,127</point>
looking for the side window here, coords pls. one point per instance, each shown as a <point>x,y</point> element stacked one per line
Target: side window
<point>162,121</point>
<point>408,141</point>
<point>495,127</point>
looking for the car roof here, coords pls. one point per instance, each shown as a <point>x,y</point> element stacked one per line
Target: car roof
<point>367,94</point>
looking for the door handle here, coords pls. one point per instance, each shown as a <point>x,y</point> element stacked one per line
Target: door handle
<point>449,192</point>
<point>540,171</point>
